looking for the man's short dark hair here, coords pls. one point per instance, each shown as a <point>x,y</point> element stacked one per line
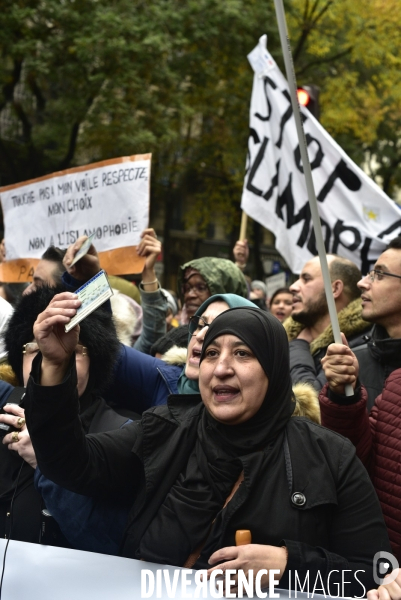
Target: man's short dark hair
<point>97,333</point>
<point>56,255</point>
<point>395,243</point>
<point>348,272</point>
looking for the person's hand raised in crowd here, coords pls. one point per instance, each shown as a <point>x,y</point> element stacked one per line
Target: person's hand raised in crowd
<point>150,248</point>
<point>54,343</point>
<point>250,556</point>
<point>87,266</point>
<point>340,366</point>
<point>241,253</point>
<point>388,591</point>
<point>18,441</point>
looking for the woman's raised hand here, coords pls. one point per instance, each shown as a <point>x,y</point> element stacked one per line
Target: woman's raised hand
<point>241,253</point>
<point>150,248</point>
<point>18,440</point>
<point>87,266</point>
<point>54,343</point>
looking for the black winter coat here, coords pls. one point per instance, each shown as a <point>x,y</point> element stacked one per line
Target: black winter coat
<point>25,522</point>
<point>378,357</point>
<point>333,522</point>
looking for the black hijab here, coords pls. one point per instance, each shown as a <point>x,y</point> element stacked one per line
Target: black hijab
<point>266,337</point>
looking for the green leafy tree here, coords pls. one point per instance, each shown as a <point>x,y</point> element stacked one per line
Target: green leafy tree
<point>86,80</point>
<point>351,50</point>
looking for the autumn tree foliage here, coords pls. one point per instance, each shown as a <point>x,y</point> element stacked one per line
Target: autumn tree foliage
<point>352,50</point>
<point>85,80</point>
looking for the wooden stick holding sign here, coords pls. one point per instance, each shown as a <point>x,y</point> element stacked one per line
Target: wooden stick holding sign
<point>289,67</point>
<point>244,223</point>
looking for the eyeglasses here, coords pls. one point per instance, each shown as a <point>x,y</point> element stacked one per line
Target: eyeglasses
<point>198,288</point>
<point>33,348</point>
<point>196,324</point>
<point>375,274</point>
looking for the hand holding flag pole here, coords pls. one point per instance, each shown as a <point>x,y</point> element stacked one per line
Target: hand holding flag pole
<point>289,67</point>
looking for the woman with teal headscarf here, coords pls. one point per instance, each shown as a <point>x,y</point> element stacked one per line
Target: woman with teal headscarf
<point>142,381</point>
<point>198,326</point>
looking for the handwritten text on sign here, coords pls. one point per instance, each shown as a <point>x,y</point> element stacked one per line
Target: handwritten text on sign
<point>110,199</point>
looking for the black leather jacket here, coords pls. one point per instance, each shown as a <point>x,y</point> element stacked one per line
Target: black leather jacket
<point>378,357</point>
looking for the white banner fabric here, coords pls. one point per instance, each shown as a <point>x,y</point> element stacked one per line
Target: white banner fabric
<point>51,573</point>
<point>110,198</point>
<point>358,219</point>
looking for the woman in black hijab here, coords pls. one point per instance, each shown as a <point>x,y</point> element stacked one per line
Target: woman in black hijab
<point>198,472</point>
<point>95,355</point>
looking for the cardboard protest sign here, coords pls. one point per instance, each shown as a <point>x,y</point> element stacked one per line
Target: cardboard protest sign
<point>108,198</point>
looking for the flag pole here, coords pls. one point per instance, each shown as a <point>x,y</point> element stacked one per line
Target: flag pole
<point>289,67</point>
<point>244,222</point>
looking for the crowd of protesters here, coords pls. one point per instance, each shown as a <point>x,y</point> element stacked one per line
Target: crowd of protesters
<point>168,420</point>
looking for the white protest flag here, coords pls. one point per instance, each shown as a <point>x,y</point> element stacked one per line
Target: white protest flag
<point>109,199</point>
<point>357,217</point>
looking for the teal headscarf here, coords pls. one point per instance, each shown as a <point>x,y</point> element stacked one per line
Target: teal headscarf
<point>190,386</point>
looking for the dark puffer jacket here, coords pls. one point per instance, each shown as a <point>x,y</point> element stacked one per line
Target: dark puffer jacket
<point>377,439</point>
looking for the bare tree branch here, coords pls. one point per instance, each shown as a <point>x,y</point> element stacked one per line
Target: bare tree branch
<point>321,61</point>
<point>309,23</point>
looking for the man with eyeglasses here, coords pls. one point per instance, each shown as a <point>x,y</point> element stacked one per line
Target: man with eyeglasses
<point>374,371</point>
<point>381,305</point>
